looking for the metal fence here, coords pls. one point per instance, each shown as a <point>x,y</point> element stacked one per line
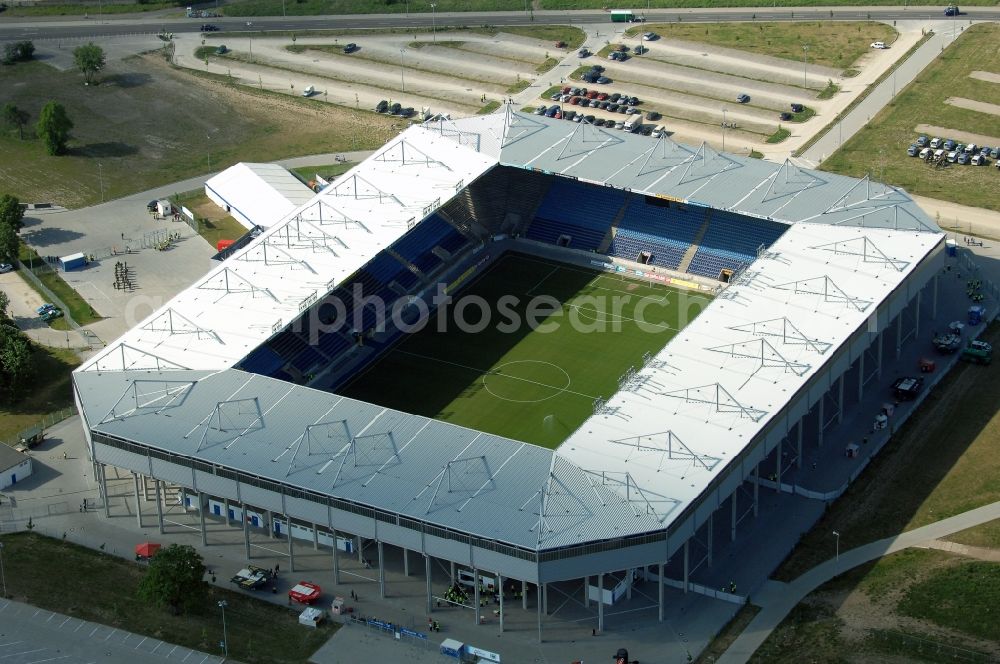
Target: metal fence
<point>44,423</point>
<point>403,634</point>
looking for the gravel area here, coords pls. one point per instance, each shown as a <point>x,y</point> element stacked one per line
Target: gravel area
<point>955,134</point>
<point>973,105</point>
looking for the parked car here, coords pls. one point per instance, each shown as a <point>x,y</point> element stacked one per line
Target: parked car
<point>583,53</point>
<point>935,143</point>
<point>589,118</point>
<point>594,103</point>
<point>995,153</point>
<point>604,105</point>
<point>907,387</point>
<point>612,107</point>
<point>653,115</point>
<point>650,36</point>
<point>979,160</point>
<point>309,91</point>
<point>603,80</point>
<point>938,153</point>
<point>785,116</point>
<point>407,112</point>
<point>797,108</point>
<point>551,113</point>
<point>540,110</point>
<point>647,130</point>
<point>350,48</point>
<point>925,154</point>
<point>952,157</point>
<point>963,158</point>
<point>574,101</point>
<point>5,268</point>
<point>597,68</point>
<point>395,108</point>
<point>45,307</point>
<point>949,144</point>
<point>640,49</point>
<point>971,147</point>
<point>985,150</point>
<point>51,315</point>
<point>922,141</point>
<point>555,97</point>
<point>879,45</point>
<point>633,101</point>
<point>742,98</point>
<point>951,11</point>
<point>960,147</point>
<point>382,106</point>
<point>913,150</point>
<point>597,122</point>
<point>208,27</point>
<point>569,115</point>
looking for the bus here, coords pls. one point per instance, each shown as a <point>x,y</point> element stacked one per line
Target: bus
<point>622,16</point>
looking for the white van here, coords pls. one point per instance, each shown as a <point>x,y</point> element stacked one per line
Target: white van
<point>936,143</point>
<point>660,130</point>
<point>633,122</point>
<point>309,92</point>
<point>925,153</point>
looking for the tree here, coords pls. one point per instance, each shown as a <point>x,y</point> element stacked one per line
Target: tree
<point>11,212</point>
<point>8,242</point>
<point>89,59</point>
<point>15,117</point>
<point>53,127</point>
<point>21,51</point>
<point>15,361</point>
<point>4,303</point>
<point>175,579</point>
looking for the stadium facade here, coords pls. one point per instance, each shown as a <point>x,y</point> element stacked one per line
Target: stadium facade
<point>229,390</point>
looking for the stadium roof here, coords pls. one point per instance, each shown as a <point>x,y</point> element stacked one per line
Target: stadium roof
<point>633,467</point>
<point>259,193</point>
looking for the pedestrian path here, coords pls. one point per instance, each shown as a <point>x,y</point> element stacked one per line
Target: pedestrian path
<point>778,599</point>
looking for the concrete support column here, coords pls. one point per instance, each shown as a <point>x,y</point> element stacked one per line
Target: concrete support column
<point>659,587</point>
<point>821,412</point>
<point>159,505</point>
<point>840,399</point>
<point>798,443</point>
<point>777,467</point>
<point>246,530</point>
<point>201,515</point>
<point>524,595</point>
<point>453,573</point>
<point>145,489</point>
<point>381,571</point>
<point>138,505</point>
<point>427,574</point>
<point>600,603</point>
<point>732,525</point>
<point>291,551</point>
<point>475,592</point>
<point>500,591</point>
<point>586,594</point>
<point>315,537</point>
<point>225,508</point>
<point>539,611</point>
<point>861,377</point>
<point>104,490</point>
<point>629,574</point>
<point>711,532</point>
<point>756,488</point>
<point>545,598</point>
<point>269,517</point>
<point>879,349</point>
<point>687,560</point>
<point>406,561</point>
<point>336,559</point>
<point>361,550</point>
<point>899,333</point>
<point>934,297</point>
<point>916,316</point>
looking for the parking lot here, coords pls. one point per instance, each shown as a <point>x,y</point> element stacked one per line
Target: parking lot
<point>454,72</point>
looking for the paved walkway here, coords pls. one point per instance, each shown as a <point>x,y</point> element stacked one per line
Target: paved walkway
<point>977,552</point>
<point>777,599</point>
<point>31,635</point>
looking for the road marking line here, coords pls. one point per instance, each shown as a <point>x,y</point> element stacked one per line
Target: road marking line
<point>95,629</point>
<point>140,642</point>
<point>50,659</point>
<point>156,648</point>
<point>64,622</point>
<point>82,623</point>
<point>110,634</point>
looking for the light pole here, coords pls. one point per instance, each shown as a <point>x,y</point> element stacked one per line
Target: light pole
<point>724,125</point>
<point>208,146</point>
<point>402,82</point>
<point>250,35</point>
<point>100,177</point>
<point>837,535</point>
<point>2,575</point>
<point>225,637</point>
<point>805,60</point>
<point>433,22</point>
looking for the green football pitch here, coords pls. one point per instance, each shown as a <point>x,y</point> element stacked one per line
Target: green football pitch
<point>535,383</point>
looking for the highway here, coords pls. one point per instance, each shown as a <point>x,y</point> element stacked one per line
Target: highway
<point>108,26</point>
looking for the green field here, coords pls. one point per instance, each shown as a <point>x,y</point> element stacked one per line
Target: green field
<point>880,147</point>
<point>535,385</point>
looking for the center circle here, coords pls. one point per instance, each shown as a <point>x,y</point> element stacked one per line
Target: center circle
<point>526,381</point>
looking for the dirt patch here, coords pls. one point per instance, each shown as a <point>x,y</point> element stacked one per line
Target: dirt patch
<point>963,136</point>
<point>985,76</point>
<point>973,105</point>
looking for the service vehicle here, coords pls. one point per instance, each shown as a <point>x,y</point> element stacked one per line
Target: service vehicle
<point>907,387</point>
<point>252,577</point>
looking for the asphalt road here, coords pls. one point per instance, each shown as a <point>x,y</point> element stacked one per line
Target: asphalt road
<point>72,27</point>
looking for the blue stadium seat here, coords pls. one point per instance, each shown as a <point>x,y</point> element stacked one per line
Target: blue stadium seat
<point>582,211</point>
<point>732,240</point>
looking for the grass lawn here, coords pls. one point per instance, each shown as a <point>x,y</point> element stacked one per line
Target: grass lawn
<point>914,605</point>
<point>729,633</point>
<point>530,385</point>
<point>986,534</point>
<point>94,586</point>
<point>668,4</point>
<point>148,123</point>
<point>95,9</point>
<point>923,102</point>
<point>320,7</point>
<point>48,391</point>
<point>213,222</point>
<point>79,309</point>
<point>836,45</point>
<point>958,427</point>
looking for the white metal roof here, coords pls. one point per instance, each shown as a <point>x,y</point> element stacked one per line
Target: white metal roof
<point>261,193</point>
<point>301,257</point>
<point>656,445</point>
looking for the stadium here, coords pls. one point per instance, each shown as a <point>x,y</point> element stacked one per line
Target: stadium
<point>344,376</point>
